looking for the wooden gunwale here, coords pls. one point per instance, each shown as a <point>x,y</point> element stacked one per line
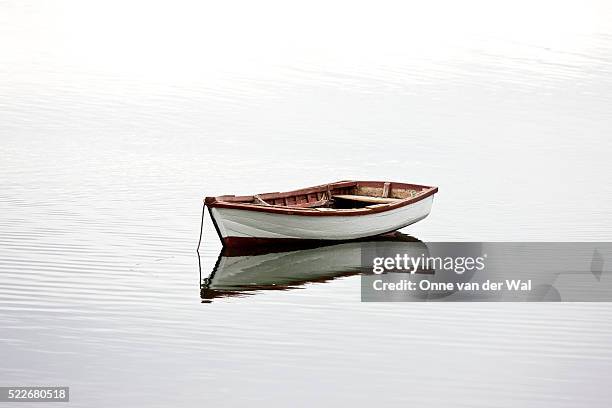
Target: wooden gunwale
<point>239,202</point>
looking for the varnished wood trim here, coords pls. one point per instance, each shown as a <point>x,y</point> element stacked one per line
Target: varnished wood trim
<point>234,202</point>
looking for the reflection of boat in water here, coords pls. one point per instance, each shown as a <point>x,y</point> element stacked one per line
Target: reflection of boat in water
<point>240,273</point>
<point>550,271</point>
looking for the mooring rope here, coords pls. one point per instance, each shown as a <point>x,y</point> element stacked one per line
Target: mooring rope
<point>201,228</point>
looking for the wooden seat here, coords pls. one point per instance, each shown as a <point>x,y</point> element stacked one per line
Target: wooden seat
<point>367,199</point>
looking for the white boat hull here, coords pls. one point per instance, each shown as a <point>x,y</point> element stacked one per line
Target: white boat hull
<point>238,225</point>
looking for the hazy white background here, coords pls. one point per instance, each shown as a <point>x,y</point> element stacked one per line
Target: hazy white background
<point>116,117</point>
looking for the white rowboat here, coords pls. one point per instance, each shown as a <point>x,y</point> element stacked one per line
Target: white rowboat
<point>340,211</point>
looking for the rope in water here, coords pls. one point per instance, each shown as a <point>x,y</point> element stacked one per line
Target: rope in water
<point>201,228</point>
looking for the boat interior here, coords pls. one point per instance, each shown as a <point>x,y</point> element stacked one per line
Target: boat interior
<point>339,195</point>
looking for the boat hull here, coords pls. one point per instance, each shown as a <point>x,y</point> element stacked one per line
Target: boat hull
<point>239,227</point>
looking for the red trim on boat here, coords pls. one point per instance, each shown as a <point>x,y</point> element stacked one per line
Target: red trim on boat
<point>241,246</point>
<point>239,202</point>
<point>275,242</point>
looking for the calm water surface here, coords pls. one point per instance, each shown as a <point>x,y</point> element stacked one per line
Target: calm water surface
<point>115,120</point>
